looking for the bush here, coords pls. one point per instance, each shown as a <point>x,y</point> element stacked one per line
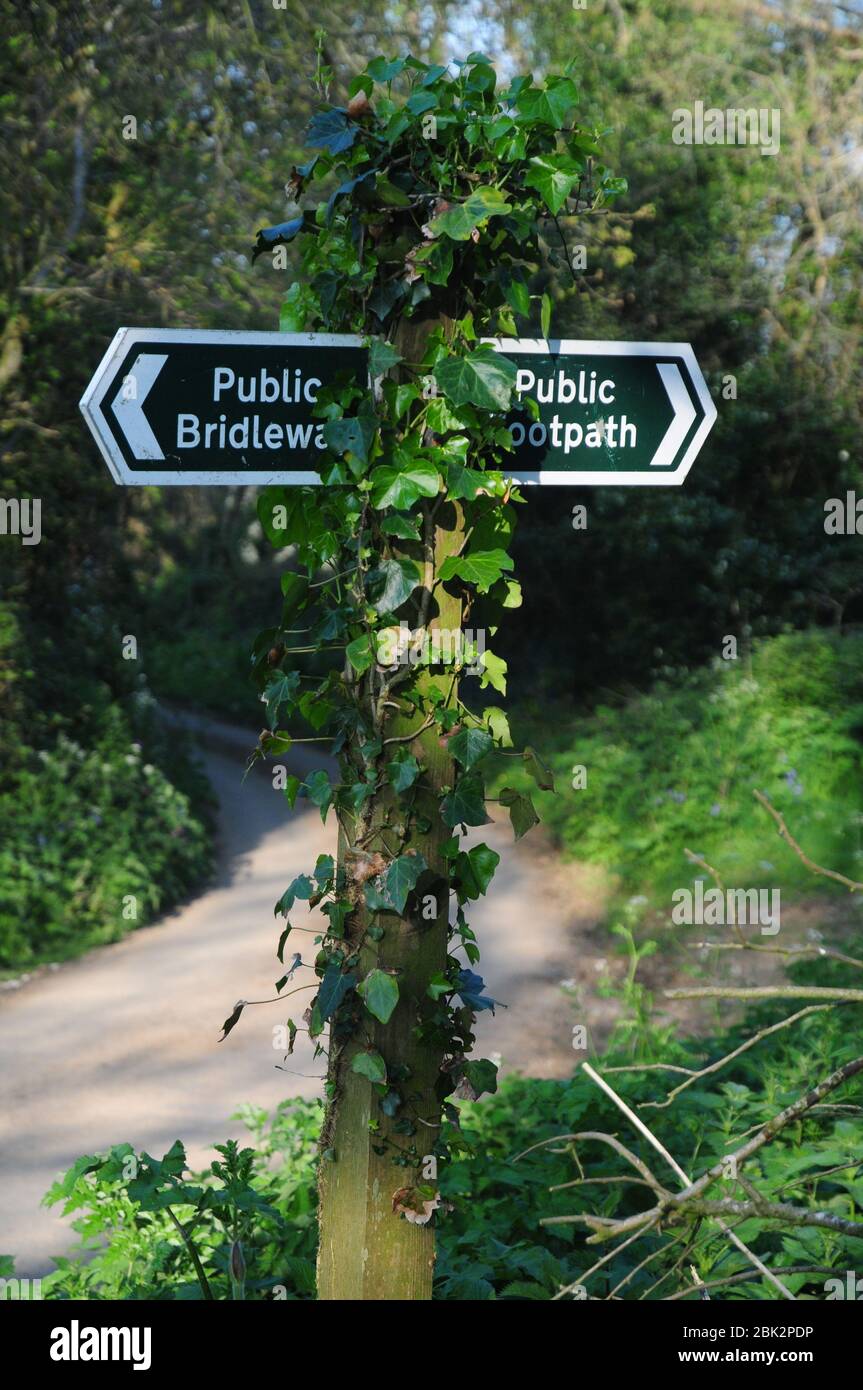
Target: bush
<point>86,829</point>
<point>675,769</point>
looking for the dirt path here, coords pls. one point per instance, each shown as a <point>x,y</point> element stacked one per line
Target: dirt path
<point>122,1044</point>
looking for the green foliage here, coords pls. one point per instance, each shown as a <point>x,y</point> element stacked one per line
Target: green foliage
<point>675,769</point>
<point>490,1242</point>
<point>95,841</point>
<point>435,214</point>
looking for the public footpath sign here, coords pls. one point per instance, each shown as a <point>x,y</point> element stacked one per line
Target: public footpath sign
<point>609,413</point>
<point>186,406</point>
<point>196,406</point>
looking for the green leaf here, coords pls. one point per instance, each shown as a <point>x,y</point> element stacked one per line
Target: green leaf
<point>482,1075</point>
<point>351,434</point>
<point>463,482</point>
<point>382,356</point>
<point>333,988</point>
<point>458,222</point>
<point>295,588</point>
<point>406,527</point>
<point>370,1064</point>
<point>469,746</point>
<point>319,791</point>
<point>538,770</point>
<point>545,316</point>
<point>401,877</point>
<point>379,992</point>
<point>493,672</point>
<point>280,690</point>
<point>521,811</point>
<point>391,583</point>
<point>438,985</point>
<point>336,912</point>
<point>550,104</point>
<point>465,805</point>
<point>480,567</point>
<point>401,487</point>
<point>516,291</point>
<point>554,177</point>
<point>402,770</point>
<point>475,871</point>
<point>360,653</point>
<point>482,378</point>
<point>498,726</point>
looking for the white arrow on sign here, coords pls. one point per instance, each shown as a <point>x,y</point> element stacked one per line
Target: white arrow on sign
<point>129,401</point>
<point>684,415</point>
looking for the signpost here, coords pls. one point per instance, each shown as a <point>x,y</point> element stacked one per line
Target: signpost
<point>610,413</point>
<point>197,406</point>
<point>187,406</point>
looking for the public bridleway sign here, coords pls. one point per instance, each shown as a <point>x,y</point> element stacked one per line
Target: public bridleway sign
<point>184,406</point>
<point>197,406</point>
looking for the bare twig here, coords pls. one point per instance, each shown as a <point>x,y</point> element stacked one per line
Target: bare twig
<point>814,868</point>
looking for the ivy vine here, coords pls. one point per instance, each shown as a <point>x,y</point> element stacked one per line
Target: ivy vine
<point>440,199</point>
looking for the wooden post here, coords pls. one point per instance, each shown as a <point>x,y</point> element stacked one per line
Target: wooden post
<point>366,1250</point>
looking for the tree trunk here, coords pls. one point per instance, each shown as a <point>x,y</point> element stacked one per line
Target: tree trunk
<point>368,1251</point>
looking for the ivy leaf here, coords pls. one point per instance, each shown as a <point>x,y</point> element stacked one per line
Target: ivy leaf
<point>401,877</point>
<point>379,992</point>
<point>351,434</point>
<point>458,222</point>
<point>331,130</point>
<point>319,791</point>
<point>279,691</point>
<point>538,770</point>
<point>482,1076</point>
<point>360,653</point>
<point>295,587</point>
<point>465,805</point>
<point>401,487</point>
<point>498,725</point>
<point>550,104</point>
<point>334,986</point>
<point>493,673</point>
<point>516,291</point>
<point>336,912</point>
<point>382,357</point>
<point>402,770</point>
<point>406,527</point>
<point>521,810</point>
<point>469,746</point>
<point>553,176</point>
<point>463,482</point>
<point>475,871</point>
<point>383,71</point>
<point>370,1064</point>
<point>480,567</point>
<point>283,232</point>
<point>482,378</point>
<point>391,583</point>
<point>438,985</point>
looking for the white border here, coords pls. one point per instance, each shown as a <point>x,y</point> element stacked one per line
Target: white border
<point>585,347</point>
<point>92,401</point>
